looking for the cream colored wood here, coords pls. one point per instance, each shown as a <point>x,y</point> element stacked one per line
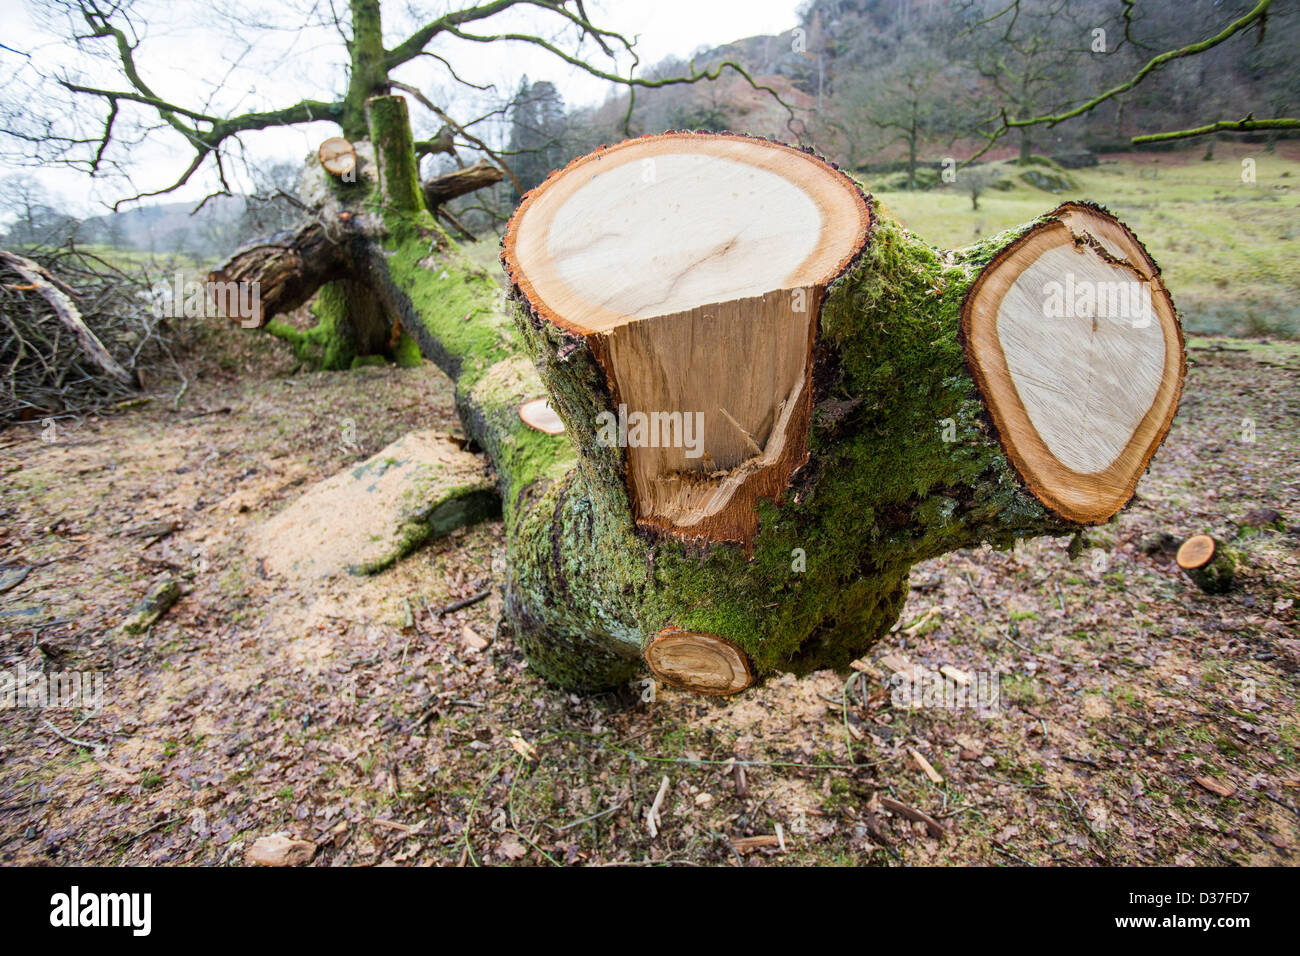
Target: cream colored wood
<point>1077,351</point>
<point>665,224</point>
<point>337,156</point>
<point>539,414</point>
<point>1086,377</point>
<point>695,362</point>
<point>694,265</point>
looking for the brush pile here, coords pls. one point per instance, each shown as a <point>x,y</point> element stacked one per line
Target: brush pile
<point>76,333</point>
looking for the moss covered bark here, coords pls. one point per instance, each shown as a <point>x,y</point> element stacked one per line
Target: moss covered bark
<point>351,328</point>
<point>368,72</point>
<point>883,490</point>
<point>904,465</point>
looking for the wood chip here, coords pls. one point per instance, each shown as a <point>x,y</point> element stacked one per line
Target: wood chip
<point>904,810</point>
<point>864,666</point>
<point>958,677</point>
<point>925,766</point>
<point>897,664</point>
<point>469,637</point>
<point>403,827</point>
<point>522,747</point>
<point>280,851</point>
<point>745,845</point>
<point>652,815</point>
<point>1224,788</point>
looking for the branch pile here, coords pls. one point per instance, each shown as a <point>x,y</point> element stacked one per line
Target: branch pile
<point>77,332</point>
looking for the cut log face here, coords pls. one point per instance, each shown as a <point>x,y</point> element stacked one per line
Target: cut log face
<point>1196,552</point>
<point>1078,353</point>
<point>337,156</point>
<point>1211,565</point>
<point>539,414</point>
<point>694,266</point>
<point>704,663</point>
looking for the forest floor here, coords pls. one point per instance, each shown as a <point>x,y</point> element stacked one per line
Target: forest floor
<point>1136,721</point>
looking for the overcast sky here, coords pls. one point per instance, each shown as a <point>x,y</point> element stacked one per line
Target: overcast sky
<point>196,55</point>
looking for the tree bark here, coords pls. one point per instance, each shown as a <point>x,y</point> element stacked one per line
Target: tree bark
<point>899,444</point>
<point>458,182</point>
<point>368,72</point>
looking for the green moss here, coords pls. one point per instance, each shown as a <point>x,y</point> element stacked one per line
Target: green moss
<point>456,320</point>
<point>407,352</point>
<point>399,171</point>
<point>330,344</point>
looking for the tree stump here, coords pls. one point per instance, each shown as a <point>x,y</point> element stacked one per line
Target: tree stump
<point>864,400</point>
<point>1210,564</point>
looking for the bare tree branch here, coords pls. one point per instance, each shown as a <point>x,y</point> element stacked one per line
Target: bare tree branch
<point>1257,17</point>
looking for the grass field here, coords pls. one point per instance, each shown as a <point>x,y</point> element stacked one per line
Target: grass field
<point>1230,250</point>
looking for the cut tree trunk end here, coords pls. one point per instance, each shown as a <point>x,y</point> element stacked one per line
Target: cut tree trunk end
<point>338,157</point>
<point>538,414</point>
<point>703,321</point>
<point>1211,565</point>
<point>1078,352</point>
<point>704,663</point>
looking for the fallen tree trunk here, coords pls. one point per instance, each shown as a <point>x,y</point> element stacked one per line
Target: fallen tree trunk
<point>287,271</point>
<point>776,400</point>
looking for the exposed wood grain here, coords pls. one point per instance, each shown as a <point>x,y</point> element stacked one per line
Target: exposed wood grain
<point>337,156</point>
<point>539,414</point>
<point>704,663</point>
<point>1077,350</point>
<point>693,265</point>
<point>1196,552</point>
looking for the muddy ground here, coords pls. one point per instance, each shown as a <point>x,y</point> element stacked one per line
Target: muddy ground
<point>1137,720</point>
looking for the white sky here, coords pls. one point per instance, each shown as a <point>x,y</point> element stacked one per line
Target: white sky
<point>189,47</point>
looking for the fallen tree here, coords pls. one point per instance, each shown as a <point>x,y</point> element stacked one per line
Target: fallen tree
<point>857,401</point>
